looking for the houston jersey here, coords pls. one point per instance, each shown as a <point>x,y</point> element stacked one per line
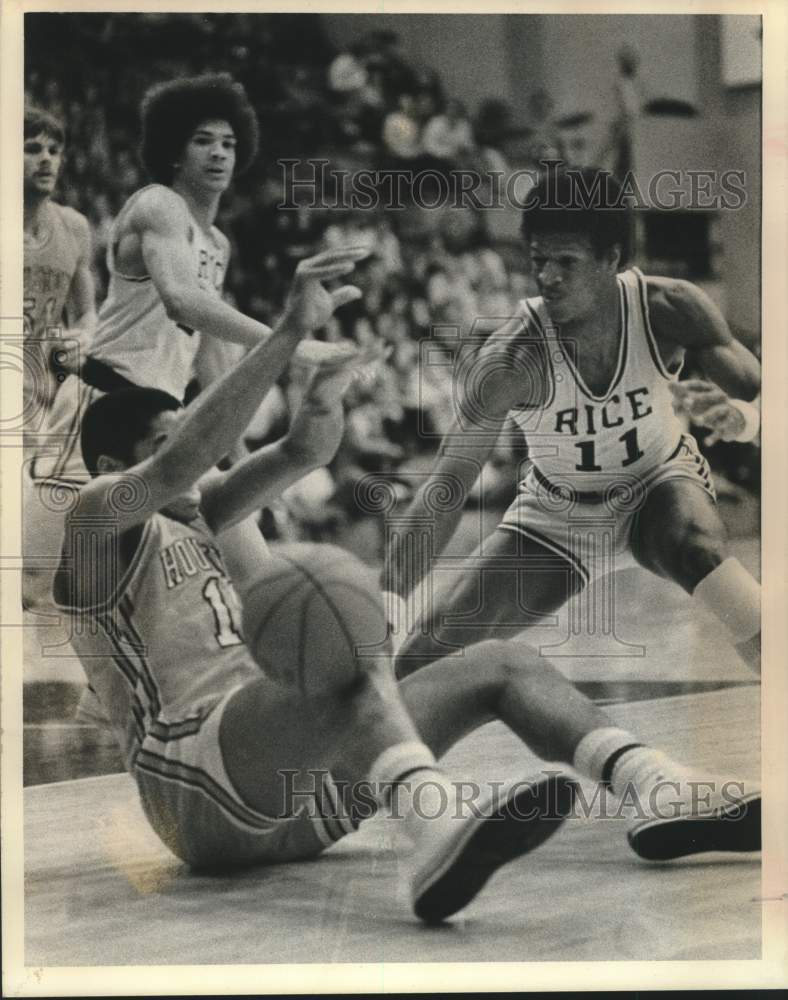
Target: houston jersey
<point>49,268</point>
<point>170,642</point>
<point>135,336</point>
<point>588,440</point>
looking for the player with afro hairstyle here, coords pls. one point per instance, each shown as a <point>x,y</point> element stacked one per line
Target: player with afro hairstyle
<point>172,110</point>
<point>164,323</point>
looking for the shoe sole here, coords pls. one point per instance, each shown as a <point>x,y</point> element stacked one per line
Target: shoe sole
<point>736,828</point>
<point>520,824</point>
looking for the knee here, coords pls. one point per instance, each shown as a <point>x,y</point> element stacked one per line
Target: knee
<point>507,660</point>
<point>697,552</point>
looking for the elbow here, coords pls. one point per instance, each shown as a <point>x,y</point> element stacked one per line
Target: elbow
<point>175,305</point>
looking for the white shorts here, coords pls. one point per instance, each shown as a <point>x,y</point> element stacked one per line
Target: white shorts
<point>60,454</point>
<point>52,480</point>
<point>592,532</point>
<point>45,507</point>
<point>194,808</point>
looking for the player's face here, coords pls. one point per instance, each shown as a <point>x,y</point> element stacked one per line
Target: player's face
<point>569,275</point>
<point>187,506</point>
<point>208,159</point>
<point>43,159</point>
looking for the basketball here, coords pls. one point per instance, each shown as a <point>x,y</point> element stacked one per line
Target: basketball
<point>313,612</point>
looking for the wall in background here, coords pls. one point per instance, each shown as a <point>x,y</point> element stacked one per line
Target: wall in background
<point>574,58</point>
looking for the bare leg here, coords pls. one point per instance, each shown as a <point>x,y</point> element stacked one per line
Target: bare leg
<point>678,534</point>
<point>511,682</point>
<point>504,680</point>
<point>511,586</point>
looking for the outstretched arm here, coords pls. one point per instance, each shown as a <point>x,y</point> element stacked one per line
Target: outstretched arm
<point>162,222</point>
<point>220,414</point>
<point>684,315</point>
<point>436,508</point>
<point>311,442</point>
<point>486,389</point>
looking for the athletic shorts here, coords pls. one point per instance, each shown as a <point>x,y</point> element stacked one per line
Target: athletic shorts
<point>590,531</point>
<point>45,507</point>
<point>60,454</point>
<point>192,805</point>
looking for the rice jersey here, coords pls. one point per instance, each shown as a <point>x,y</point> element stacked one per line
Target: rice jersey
<point>168,644</point>
<point>587,440</point>
<point>135,336</point>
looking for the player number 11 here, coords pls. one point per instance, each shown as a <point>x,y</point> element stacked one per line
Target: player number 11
<point>227,633</point>
<point>588,458</point>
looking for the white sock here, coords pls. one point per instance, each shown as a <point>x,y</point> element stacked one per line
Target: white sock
<point>422,799</point>
<point>395,764</point>
<point>641,769</point>
<point>618,759</point>
<point>597,748</point>
<point>734,596</point>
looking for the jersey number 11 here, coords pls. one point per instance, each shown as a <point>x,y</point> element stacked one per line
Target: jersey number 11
<point>588,457</point>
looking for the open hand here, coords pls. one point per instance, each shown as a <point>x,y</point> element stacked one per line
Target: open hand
<point>708,406</point>
<point>309,305</point>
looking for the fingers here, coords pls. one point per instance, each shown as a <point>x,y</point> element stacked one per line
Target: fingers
<point>694,385</point>
<point>333,258</point>
<point>696,397</point>
<point>347,293</point>
<point>695,389</point>
<point>325,272</point>
<point>716,415</point>
<point>320,354</point>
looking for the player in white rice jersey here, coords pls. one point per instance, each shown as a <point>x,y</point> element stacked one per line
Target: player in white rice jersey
<point>214,744</point>
<point>588,371</point>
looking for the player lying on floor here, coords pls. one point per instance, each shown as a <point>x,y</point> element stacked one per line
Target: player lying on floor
<point>214,743</point>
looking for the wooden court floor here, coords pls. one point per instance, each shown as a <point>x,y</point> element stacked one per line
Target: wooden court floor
<point>102,890</point>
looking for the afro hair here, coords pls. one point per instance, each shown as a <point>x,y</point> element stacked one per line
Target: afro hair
<point>171,112</point>
<point>584,201</point>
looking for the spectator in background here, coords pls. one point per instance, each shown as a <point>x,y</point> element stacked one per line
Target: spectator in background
<point>355,79</point>
<point>493,123</point>
<point>545,142</point>
<point>448,136</point>
<point>629,102</point>
<point>402,132</point>
<point>385,56</point>
<point>347,74</point>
